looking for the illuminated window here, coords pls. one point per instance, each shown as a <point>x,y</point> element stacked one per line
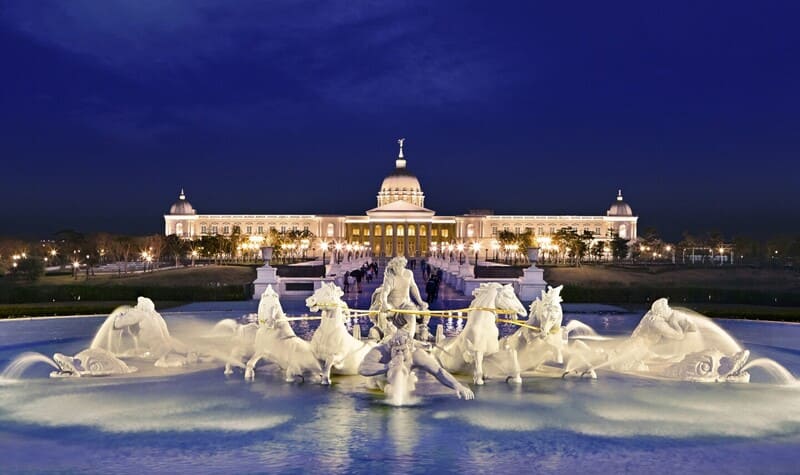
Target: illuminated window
<point>330,230</point>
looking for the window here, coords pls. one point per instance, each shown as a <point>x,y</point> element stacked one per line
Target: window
<point>356,232</point>
<point>283,229</point>
<point>412,230</point>
<point>378,230</point>
<point>540,231</point>
<point>517,230</point>
<point>400,230</point>
<point>623,231</point>
<point>249,230</point>
<point>203,229</point>
<point>226,229</point>
<point>214,230</point>
<point>597,230</point>
<point>434,232</point>
<point>445,233</point>
<point>305,228</point>
<point>389,230</point>
<point>552,229</point>
<point>261,230</point>
<point>330,231</point>
<point>494,230</point>
<point>423,231</point>
<point>179,229</point>
<point>470,230</point>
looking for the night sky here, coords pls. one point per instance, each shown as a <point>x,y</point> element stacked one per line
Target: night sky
<point>109,107</point>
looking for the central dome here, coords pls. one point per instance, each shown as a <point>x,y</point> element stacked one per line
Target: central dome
<point>401,180</point>
<point>401,184</point>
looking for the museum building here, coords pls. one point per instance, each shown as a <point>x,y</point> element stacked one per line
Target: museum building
<point>400,224</point>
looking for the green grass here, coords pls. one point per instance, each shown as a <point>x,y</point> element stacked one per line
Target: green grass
<point>177,277</point>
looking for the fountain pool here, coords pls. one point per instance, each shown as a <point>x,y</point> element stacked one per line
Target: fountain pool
<point>197,419</point>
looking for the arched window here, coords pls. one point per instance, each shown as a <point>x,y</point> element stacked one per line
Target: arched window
<point>179,229</point>
<point>400,230</point>
<point>378,230</point>
<point>330,230</point>
<point>412,230</point>
<point>470,230</point>
<point>423,230</point>
<point>389,230</point>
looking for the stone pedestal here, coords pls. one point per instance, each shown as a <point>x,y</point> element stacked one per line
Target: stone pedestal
<point>531,283</point>
<point>265,275</point>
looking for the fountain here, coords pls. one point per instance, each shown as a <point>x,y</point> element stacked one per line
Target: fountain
<point>579,392</point>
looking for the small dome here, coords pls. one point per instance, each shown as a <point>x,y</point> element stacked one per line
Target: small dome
<point>182,206</point>
<point>619,207</point>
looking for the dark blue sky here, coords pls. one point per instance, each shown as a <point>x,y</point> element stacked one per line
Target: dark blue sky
<point>108,108</point>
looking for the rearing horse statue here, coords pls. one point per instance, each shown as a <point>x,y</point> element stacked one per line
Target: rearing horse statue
<point>480,335</point>
<point>331,343</point>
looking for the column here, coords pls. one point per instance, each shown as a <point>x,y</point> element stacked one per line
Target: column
<point>394,238</point>
<point>430,228</point>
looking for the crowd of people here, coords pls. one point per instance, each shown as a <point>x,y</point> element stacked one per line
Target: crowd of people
<point>353,279</point>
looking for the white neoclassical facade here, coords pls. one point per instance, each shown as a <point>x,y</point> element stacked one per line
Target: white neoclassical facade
<point>400,224</point>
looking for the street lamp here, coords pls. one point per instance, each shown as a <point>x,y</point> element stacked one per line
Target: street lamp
<point>476,248</point>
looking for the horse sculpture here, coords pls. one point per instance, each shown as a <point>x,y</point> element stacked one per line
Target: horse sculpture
<point>480,335</point>
<point>275,341</point>
<point>141,332</point>
<point>241,337</point>
<point>337,349</point>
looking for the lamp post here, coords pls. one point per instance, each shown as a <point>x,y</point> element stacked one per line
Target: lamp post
<point>476,248</point>
<point>460,248</point>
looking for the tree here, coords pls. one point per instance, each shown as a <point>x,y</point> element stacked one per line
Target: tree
<point>175,247</point>
<point>123,248</point>
<point>30,269</point>
<point>619,248</point>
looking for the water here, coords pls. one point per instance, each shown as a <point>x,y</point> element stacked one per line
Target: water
<point>171,420</point>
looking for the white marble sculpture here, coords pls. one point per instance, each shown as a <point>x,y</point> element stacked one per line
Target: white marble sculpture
<point>275,341</point>
<point>141,332</point>
<point>331,343</point>
<point>396,358</point>
<point>479,338</point>
<point>90,362</point>
<point>396,293</point>
<point>667,343</point>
